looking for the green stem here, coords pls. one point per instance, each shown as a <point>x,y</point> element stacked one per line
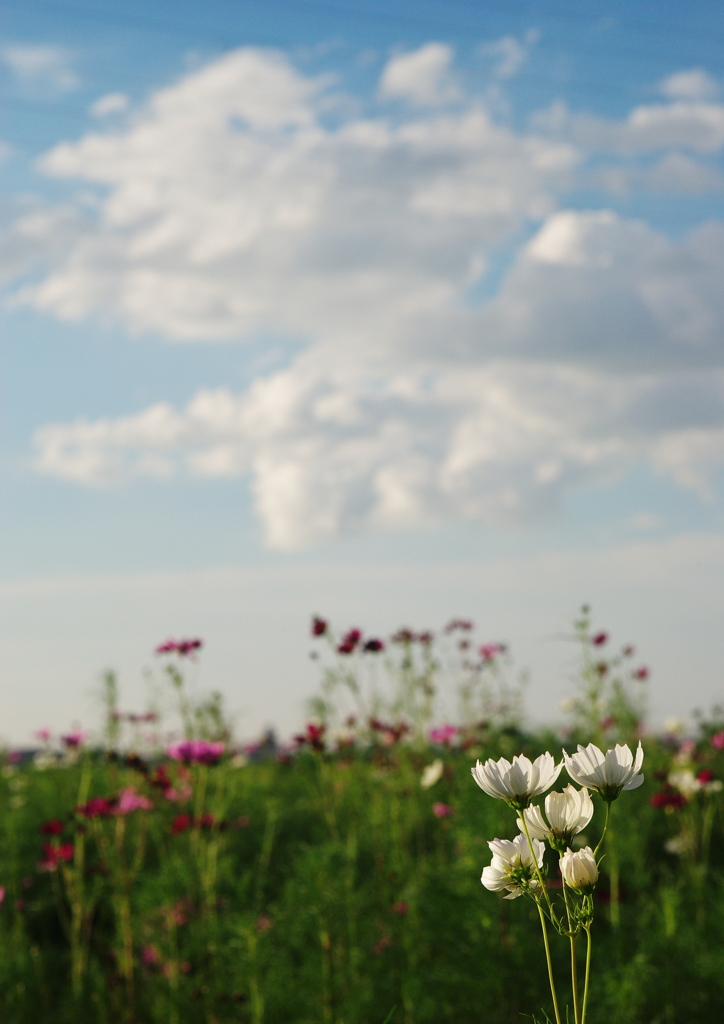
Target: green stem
<point>588,973</point>
<point>574,979</point>
<point>605,829</point>
<point>548,962</point>
<point>538,875</point>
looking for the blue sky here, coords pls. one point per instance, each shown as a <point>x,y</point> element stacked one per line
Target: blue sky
<point>307,303</point>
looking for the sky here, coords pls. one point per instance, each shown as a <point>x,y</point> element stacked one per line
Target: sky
<point>392,312</point>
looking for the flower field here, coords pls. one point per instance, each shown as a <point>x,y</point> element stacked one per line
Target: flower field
<point>337,879</point>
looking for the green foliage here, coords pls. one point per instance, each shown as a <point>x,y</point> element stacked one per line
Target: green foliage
<point>325,890</point>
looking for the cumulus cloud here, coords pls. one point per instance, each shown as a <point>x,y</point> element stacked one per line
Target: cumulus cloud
<point>423,77</point>
<point>48,66</point>
<point>694,84</point>
<point>233,204</point>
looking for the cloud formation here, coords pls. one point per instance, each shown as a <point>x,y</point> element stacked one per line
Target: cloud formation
<point>246,198</point>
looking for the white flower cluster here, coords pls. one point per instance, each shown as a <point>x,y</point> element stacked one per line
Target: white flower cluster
<point>517,864</point>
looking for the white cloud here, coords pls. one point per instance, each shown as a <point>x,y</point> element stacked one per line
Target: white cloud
<point>111,103</point>
<point>423,77</point>
<point>509,53</point>
<point>42,65</point>
<point>231,205</point>
<point>694,84</point>
<point>685,123</point>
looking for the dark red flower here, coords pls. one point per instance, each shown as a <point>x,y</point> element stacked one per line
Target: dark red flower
<point>52,828</point>
<point>349,641</point>
<point>319,626</point>
<point>465,625</point>
<point>180,823</point>
<point>374,646</point>
<point>400,908</point>
<point>206,821</point>
<point>641,673</point>
<point>628,651</point>
<point>97,807</point>
<point>184,648</point>
<point>705,775</point>
<point>668,797</point>
<point>403,636</point>
<point>599,639</point>
<point>425,638</point>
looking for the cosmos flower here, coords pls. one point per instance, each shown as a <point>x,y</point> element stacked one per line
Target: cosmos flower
<point>519,782</point>
<point>566,814</point>
<point>608,774</point>
<point>579,869</point>
<point>512,866</point>
<point>196,751</point>
<point>431,773</point>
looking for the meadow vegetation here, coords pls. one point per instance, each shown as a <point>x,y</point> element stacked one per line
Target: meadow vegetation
<point>335,879</point>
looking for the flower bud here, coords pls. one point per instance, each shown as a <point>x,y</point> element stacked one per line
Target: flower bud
<point>579,869</point>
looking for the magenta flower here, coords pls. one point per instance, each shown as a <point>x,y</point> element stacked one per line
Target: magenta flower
<point>442,810</point>
<point>44,735</point>
<point>717,740</point>
<point>488,652</point>
<point>319,626</point>
<point>73,740</point>
<point>374,646</point>
<point>465,625</point>
<point>196,751</point>
<point>129,801</point>
<point>642,673</point>
<point>444,734</point>
<point>54,827</point>
<point>184,648</point>
<point>599,639</point>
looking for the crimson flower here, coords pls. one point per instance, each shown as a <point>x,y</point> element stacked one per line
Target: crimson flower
<point>465,625</point>
<point>97,807</point>
<point>641,673</point>
<point>180,823</point>
<point>668,798</point>
<point>52,828</point>
<point>74,739</point>
<point>55,855</point>
<point>374,646</point>
<point>399,908</point>
<point>599,639</point>
<point>349,641</point>
<point>319,626</point>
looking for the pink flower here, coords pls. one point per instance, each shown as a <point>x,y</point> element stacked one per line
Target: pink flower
<point>465,625</point>
<point>442,810</point>
<point>44,735</point>
<point>490,651</point>
<point>444,734</point>
<point>717,740</point>
<point>641,673</point>
<point>129,800</point>
<point>2,894</point>
<point>196,751</point>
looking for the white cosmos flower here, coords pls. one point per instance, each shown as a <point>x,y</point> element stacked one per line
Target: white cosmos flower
<point>567,814</point>
<point>512,864</point>
<point>579,869</point>
<point>431,773</point>
<point>607,773</point>
<point>519,782</point>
